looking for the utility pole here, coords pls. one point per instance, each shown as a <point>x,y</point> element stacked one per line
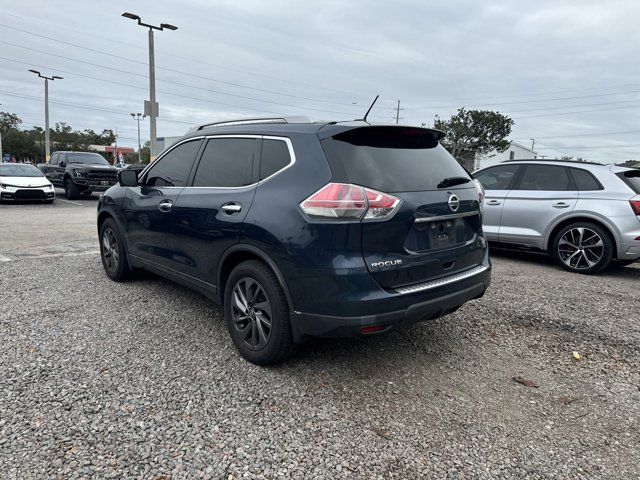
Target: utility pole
<point>151,107</point>
<point>137,117</point>
<point>47,147</point>
<point>398,113</point>
<point>533,143</point>
<point>1,145</point>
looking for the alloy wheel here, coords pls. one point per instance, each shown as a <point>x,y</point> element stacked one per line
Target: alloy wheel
<point>580,248</point>
<point>251,312</point>
<point>110,251</point>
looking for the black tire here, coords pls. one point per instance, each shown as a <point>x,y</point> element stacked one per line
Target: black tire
<point>71,190</point>
<point>588,252</point>
<point>114,257</point>
<point>256,341</point>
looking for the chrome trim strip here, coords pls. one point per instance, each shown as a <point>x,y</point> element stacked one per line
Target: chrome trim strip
<point>442,281</point>
<point>437,218</point>
<point>286,140</point>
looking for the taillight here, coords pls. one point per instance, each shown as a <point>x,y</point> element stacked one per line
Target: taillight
<point>635,205</point>
<point>351,202</point>
<point>480,190</point>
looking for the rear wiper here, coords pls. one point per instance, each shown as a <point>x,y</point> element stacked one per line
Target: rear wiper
<point>451,181</point>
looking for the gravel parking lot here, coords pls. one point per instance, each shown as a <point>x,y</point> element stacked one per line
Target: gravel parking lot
<point>140,380</point>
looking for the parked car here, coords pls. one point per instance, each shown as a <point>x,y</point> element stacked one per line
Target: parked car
<point>584,214</point>
<point>21,181</point>
<point>79,173</point>
<point>303,229</point>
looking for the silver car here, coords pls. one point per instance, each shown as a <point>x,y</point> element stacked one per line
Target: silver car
<point>585,214</point>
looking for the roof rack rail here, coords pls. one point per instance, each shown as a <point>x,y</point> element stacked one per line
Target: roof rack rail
<point>249,121</point>
<point>588,162</point>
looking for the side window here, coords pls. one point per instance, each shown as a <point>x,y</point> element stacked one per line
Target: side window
<point>585,180</point>
<point>54,159</point>
<point>227,162</point>
<point>172,170</point>
<point>497,178</point>
<point>275,156</point>
<point>545,177</point>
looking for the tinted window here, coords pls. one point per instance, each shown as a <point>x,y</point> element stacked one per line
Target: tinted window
<point>545,177</point>
<point>584,180</point>
<point>172,170</point>
<point>392,159</point>
<point>497,178</point>
<point>226,162</point>
<point>631,178</point>
<point>275,156</point>
<point>54,158</point>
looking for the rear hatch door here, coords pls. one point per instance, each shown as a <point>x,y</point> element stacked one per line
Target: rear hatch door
<point>435,232</point>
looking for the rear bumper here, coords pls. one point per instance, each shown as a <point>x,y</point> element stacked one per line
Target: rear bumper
<point>421,305</point>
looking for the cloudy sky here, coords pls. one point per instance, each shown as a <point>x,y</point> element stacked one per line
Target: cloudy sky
<point>566,72</point>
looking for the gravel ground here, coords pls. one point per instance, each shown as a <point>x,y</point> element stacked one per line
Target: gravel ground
<point>139,380</point>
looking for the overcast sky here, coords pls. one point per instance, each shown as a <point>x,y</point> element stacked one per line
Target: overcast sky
<point>566,72</point>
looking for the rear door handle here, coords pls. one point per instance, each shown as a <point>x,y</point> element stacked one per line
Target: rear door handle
<point>561,205</point>
<point>231,207</point>
<point>165,205</point>
<point>493,202</point>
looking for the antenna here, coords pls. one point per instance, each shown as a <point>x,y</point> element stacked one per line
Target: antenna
<point>364,119</point>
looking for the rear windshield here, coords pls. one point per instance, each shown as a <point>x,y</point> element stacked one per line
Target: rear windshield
<point>631,178</point>
<point>392,159</point>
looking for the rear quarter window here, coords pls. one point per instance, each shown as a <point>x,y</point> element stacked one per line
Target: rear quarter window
<point>585,180</point>
<point>392,159</point>
<point>631,178</point>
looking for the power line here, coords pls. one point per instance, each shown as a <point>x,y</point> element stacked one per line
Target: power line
<point>585,134</point>
<point>181,57</point>
<point>75,105</point>
<point>112,69</point>
<point>93,50</point>
<point>571,113</point>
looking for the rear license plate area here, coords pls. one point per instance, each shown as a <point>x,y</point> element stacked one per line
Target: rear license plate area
<point>441,233</point>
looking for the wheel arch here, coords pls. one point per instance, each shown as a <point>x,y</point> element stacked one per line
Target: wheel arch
<point>243,252</point>
<point>583,217</point>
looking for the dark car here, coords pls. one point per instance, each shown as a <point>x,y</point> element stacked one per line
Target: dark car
<point>79,173</point>
<point>303,229</point>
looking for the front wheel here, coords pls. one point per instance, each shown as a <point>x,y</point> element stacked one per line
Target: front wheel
<point>112,252</point>
<point>583,247</point>
<point>257,314</point>
<point>71,190</point>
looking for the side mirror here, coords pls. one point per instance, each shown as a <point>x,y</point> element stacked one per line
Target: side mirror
<point>61,163</point>
<point>128,178</point>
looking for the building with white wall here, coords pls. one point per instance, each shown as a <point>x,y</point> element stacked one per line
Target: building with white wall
<point>514,152</point>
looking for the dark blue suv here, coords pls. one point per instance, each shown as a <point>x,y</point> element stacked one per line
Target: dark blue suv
<point>303,229</point>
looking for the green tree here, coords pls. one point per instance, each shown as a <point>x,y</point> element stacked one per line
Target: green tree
<point>474,132</point>
<point>9,121</point>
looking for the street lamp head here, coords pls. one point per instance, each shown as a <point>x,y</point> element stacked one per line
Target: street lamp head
<point>132,16</point>
<point>35,71</point>
<point>56,77</point>
<point>168,26</point>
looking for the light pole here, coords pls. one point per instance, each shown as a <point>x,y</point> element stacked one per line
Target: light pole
<point>150,106</point>
<point>47,149</point>
<point>137,117</point>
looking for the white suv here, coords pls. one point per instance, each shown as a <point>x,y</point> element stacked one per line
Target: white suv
<point>585,214</point>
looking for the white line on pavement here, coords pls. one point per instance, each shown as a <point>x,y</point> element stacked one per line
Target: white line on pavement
<point>68,201</point>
